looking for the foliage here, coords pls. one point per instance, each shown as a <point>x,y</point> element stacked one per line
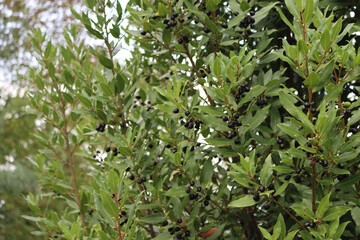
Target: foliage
<point>231,120</point>
<point>17,18</point>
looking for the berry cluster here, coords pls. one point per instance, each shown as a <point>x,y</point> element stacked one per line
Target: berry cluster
<point>194,193</point>
<point>261,102</point>
<point>248,21</point>
<point>241,92</point>
<point>101,127</point>
<point>172,22</point>
<point>179,229</point>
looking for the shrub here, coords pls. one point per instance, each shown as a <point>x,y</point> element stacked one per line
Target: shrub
<point>229,121</point>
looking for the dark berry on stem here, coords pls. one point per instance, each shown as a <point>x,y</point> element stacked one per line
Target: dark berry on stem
<point>231,125</point>
<point>340,165</point>
<point>256,197</point>
<point>176,110</point>
<point>287,177</point>
<point>262,189</point>
<point>297,103</point>
<point>224,25</point>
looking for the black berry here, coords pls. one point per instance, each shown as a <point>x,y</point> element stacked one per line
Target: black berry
<point>256,197</point>
<point>340,165</point>
<point>224,25</point>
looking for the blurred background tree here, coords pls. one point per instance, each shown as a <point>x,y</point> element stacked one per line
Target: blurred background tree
<point>17,126</point>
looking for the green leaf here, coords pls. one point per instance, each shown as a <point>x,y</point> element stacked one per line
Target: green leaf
<point>211,25</point>
<point>308,12</point>
<point>323,206</point>
<point>336,29</point>
<point>266,171</point>
<point>236,20</point>
<point>301,46</point>
<point>287,102</point>
<point>335,212</point>
<point>106,89</point>
<point>119,11</point>
<point>113,181</point>
<point>291,6</point>
<point>279,228</point>
<point>265,233</point>
<point>259,117</point>
<point>254,92</point>
<point>286,21</point>
<point>176,192</point>
<point>312,80</point>
<point>291,235</point>
<point>206,172</point>
<point>153,218</point>
<point>109,204</point>
<point>211,5</point>
<point>282,188</point>
<point>355,213</point>
<point>120,81</point>
<point>125,151</point>
<point>166,36</point>
<point>164,93</point>
<point>106,62</point>
<point>93,31</point>
<point>163,236</point>
<point>245,201</point>
<point>263,12</point>
<point>84,100</point>
<point>217,66</point>
<point>103,236</point>
<point>355,117</point>
<point>219,142</point>
<point>325,39</point>
<point>304,212</point>
<point>162,10</point>
<point>68,98</point>
<point>39,83</point>
<point>292,131</point>
<point>349,181</point>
